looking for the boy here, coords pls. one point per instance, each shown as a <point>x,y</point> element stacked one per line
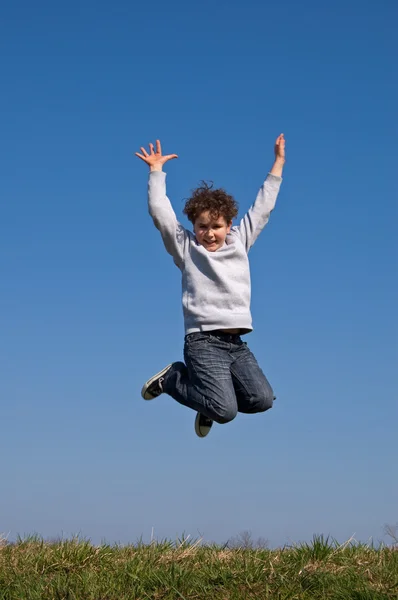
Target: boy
<point>220,376</point>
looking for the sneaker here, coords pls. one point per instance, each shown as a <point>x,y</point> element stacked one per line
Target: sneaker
<point>154,386</point>
<point>202,425</point>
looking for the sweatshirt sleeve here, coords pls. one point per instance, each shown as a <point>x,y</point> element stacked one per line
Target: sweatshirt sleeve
<point>258,214</point>
<point>173,233</point>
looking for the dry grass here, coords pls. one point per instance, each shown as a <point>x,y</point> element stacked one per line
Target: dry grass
<point>76,570</point>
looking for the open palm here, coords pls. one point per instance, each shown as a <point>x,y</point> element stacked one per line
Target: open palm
<point>280,147</point>
<point>155,160</point>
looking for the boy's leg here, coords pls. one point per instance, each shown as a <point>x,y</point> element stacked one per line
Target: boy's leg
<point>205,383</point>
<point>253,391</point>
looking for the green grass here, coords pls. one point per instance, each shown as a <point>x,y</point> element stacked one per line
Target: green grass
<point>76,570</point>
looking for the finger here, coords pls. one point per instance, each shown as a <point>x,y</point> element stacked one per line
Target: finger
<point>158,147</point>
<point>144,152</point>
<point>141,156</point>
<point>151,149</point>
<point>170,156</point>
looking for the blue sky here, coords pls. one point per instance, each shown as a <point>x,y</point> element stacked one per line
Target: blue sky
<point>90,301</point>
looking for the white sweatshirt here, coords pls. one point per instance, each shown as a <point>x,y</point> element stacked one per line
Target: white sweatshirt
<point>216,286</point>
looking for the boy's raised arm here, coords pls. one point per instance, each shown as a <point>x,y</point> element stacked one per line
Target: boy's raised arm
<point>160,209</point>
<point>258,214</point>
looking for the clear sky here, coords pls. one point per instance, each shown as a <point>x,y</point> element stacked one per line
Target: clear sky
<point>90,301</point>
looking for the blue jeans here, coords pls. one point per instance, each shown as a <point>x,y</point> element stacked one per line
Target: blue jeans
<point>220,377</point>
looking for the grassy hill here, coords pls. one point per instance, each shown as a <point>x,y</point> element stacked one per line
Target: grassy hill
<point>76,570</point>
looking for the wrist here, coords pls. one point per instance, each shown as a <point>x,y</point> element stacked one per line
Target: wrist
<point>280,160</point>
<point>155,168</point>
<point>277,167</point>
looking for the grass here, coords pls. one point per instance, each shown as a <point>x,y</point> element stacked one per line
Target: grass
<point>33,569</point>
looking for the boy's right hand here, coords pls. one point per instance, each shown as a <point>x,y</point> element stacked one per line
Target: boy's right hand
<point>155,160</point>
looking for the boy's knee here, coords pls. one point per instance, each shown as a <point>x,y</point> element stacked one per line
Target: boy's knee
<point>263,401</point>
<point>225,414</point>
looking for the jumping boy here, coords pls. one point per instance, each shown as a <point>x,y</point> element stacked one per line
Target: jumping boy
<point>220,377</point>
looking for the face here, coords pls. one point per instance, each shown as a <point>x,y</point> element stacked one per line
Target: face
<point>211,232</point>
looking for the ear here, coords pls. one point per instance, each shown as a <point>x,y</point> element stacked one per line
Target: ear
<point>229,225</point>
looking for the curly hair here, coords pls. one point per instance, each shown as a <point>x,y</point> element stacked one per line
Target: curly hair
<point>216,201</point>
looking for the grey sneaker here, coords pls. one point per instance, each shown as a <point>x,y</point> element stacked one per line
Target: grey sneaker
<point>202,425</point>
<point>153,387</point>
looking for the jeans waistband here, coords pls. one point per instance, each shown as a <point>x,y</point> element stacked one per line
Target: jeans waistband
<point>223,335</point>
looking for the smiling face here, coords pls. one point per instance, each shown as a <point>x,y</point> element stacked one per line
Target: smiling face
<point>210,231</point>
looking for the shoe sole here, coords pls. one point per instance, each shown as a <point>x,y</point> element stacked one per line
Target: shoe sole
<point>150,381</point>
<point>199,430</point>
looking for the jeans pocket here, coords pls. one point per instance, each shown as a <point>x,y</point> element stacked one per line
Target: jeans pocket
<point>196,338</point>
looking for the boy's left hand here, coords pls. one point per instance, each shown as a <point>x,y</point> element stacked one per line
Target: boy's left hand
<point>280,148</point>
